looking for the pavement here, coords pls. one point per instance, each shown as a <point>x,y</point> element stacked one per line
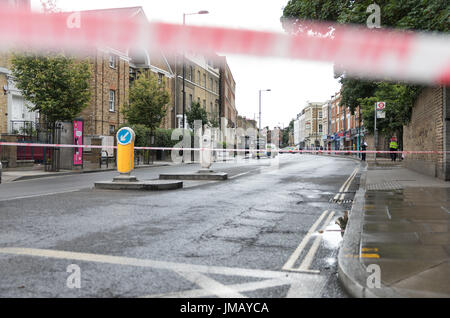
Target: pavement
<point>397,234</point>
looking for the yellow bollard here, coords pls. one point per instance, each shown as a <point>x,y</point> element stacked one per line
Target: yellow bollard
<point>125,150</point>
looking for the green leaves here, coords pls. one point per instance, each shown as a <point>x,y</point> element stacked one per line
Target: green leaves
<point>148,102</point>
<point>57,85</point>
<point>196,113</point>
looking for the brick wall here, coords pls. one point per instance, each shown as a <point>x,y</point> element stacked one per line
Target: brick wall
<point>97,116</point>
<point>426,132</point>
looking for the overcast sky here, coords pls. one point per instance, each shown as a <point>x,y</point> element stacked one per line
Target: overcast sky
<point>292,82</point>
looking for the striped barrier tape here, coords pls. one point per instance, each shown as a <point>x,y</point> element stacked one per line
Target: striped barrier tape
<point>18,144</point>
<point>370,53</point>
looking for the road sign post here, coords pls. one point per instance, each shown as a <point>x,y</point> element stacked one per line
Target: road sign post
<point>379,113</point>
<point>125,150</point>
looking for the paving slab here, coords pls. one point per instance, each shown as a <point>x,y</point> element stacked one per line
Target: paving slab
<point>403,231</point>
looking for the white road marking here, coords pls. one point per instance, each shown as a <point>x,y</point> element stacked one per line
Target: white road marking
<point>312,251</point>
<point>210,285</point>
<point>308,288</point>
<point>129,261</point>
<point>40,195</point>
<point>194,273</point>
<point>291,261</point>
<point>345,186</point>
<point>199,293</point>
<point>243,174</point>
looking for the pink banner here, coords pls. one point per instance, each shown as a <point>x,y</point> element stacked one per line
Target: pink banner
<point>78,141</point>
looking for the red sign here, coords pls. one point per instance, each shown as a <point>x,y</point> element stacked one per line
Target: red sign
<point>78,140</point>
<point>381,105</point>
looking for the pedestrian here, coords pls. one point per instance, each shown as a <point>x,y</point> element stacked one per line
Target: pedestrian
<point>364,148</point>
<point>393,147</point>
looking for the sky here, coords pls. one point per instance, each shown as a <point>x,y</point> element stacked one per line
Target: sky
<point>292,82</point>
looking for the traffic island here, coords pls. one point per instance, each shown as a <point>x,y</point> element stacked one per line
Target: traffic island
<point>204,174</point>
<point>149,185</point>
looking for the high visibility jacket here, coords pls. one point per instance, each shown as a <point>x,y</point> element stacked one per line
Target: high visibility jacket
<point>393,145</point>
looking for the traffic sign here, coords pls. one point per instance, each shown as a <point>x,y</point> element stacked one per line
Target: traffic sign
<point>125,136</point>
<point>125,150</point>
<point>381,105</point>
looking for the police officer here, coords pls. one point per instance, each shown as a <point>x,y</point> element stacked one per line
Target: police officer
<point>393,146</point>
<point>363,148</point>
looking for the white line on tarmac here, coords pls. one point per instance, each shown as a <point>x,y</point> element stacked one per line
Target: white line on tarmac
<point>347,182</point>
<point>210,285</point>
<point>128,261</point>
<point>198,293</point>
<point>243,174</point>
<point>41,195</point>
<point>291,261</point>
<point>312,251</point>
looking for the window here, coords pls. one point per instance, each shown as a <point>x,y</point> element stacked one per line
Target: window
<point>198,77</point>
<point>320,128</point>
<point>191,73</point>
<point>112,129</point>
<point>204,80</point>
<point>320,114</point>
<point>112,61</point>
<point>210,107</point>
<point>211,84</point>
<point>112,99</point>
<point>190,100</point>
<point>198,100</point>
<point>204,104</point>
<point>160,78</point>
<point>217,87</point>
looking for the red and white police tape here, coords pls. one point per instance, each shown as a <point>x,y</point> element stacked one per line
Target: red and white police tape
<point>370,53</point>
<point>19,144</point>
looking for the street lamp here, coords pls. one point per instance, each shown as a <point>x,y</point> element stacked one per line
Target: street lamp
<point>184,65</point>
<point>184,77</point>
<point>259,129</point>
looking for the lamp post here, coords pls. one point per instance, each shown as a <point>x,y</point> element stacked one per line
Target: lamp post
<point>184,65</point>
<point>259,129</point>
<point>184,79</point>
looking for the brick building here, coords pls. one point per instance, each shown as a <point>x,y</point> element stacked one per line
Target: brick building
<point>429,130</point>
<point>346,129</point>
<point>227,93</point>
<point>202,75</point>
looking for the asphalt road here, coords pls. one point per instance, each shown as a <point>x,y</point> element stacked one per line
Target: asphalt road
<point>268,231</point>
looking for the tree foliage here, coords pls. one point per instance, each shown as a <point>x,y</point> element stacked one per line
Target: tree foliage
<point>430,15</point>
<point>399,99</point>
<point>418,15</point>
<point>147,103</point>
<point>196,113</point>
<point>56,85</point>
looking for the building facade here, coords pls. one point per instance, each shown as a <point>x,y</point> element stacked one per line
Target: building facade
<point>227,98</point>
<point>202,76</point>
<point>347,128</point>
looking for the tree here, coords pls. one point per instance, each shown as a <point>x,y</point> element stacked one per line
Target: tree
<point>417,15</point>
<point>285,134</point>
<point>56,85</point>
<point>196,113</point>
<point>147,104</point>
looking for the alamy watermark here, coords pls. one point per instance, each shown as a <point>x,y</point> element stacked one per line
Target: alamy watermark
<point>74,279</point>
<point>374,279</point>
<point>374,19</point>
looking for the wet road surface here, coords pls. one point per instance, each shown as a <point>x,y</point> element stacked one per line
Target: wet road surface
<point>268,231</point>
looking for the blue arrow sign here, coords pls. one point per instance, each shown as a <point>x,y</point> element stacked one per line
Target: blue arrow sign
<point>124,136</point>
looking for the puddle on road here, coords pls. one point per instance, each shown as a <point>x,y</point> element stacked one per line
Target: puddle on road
<point>332,236</point>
